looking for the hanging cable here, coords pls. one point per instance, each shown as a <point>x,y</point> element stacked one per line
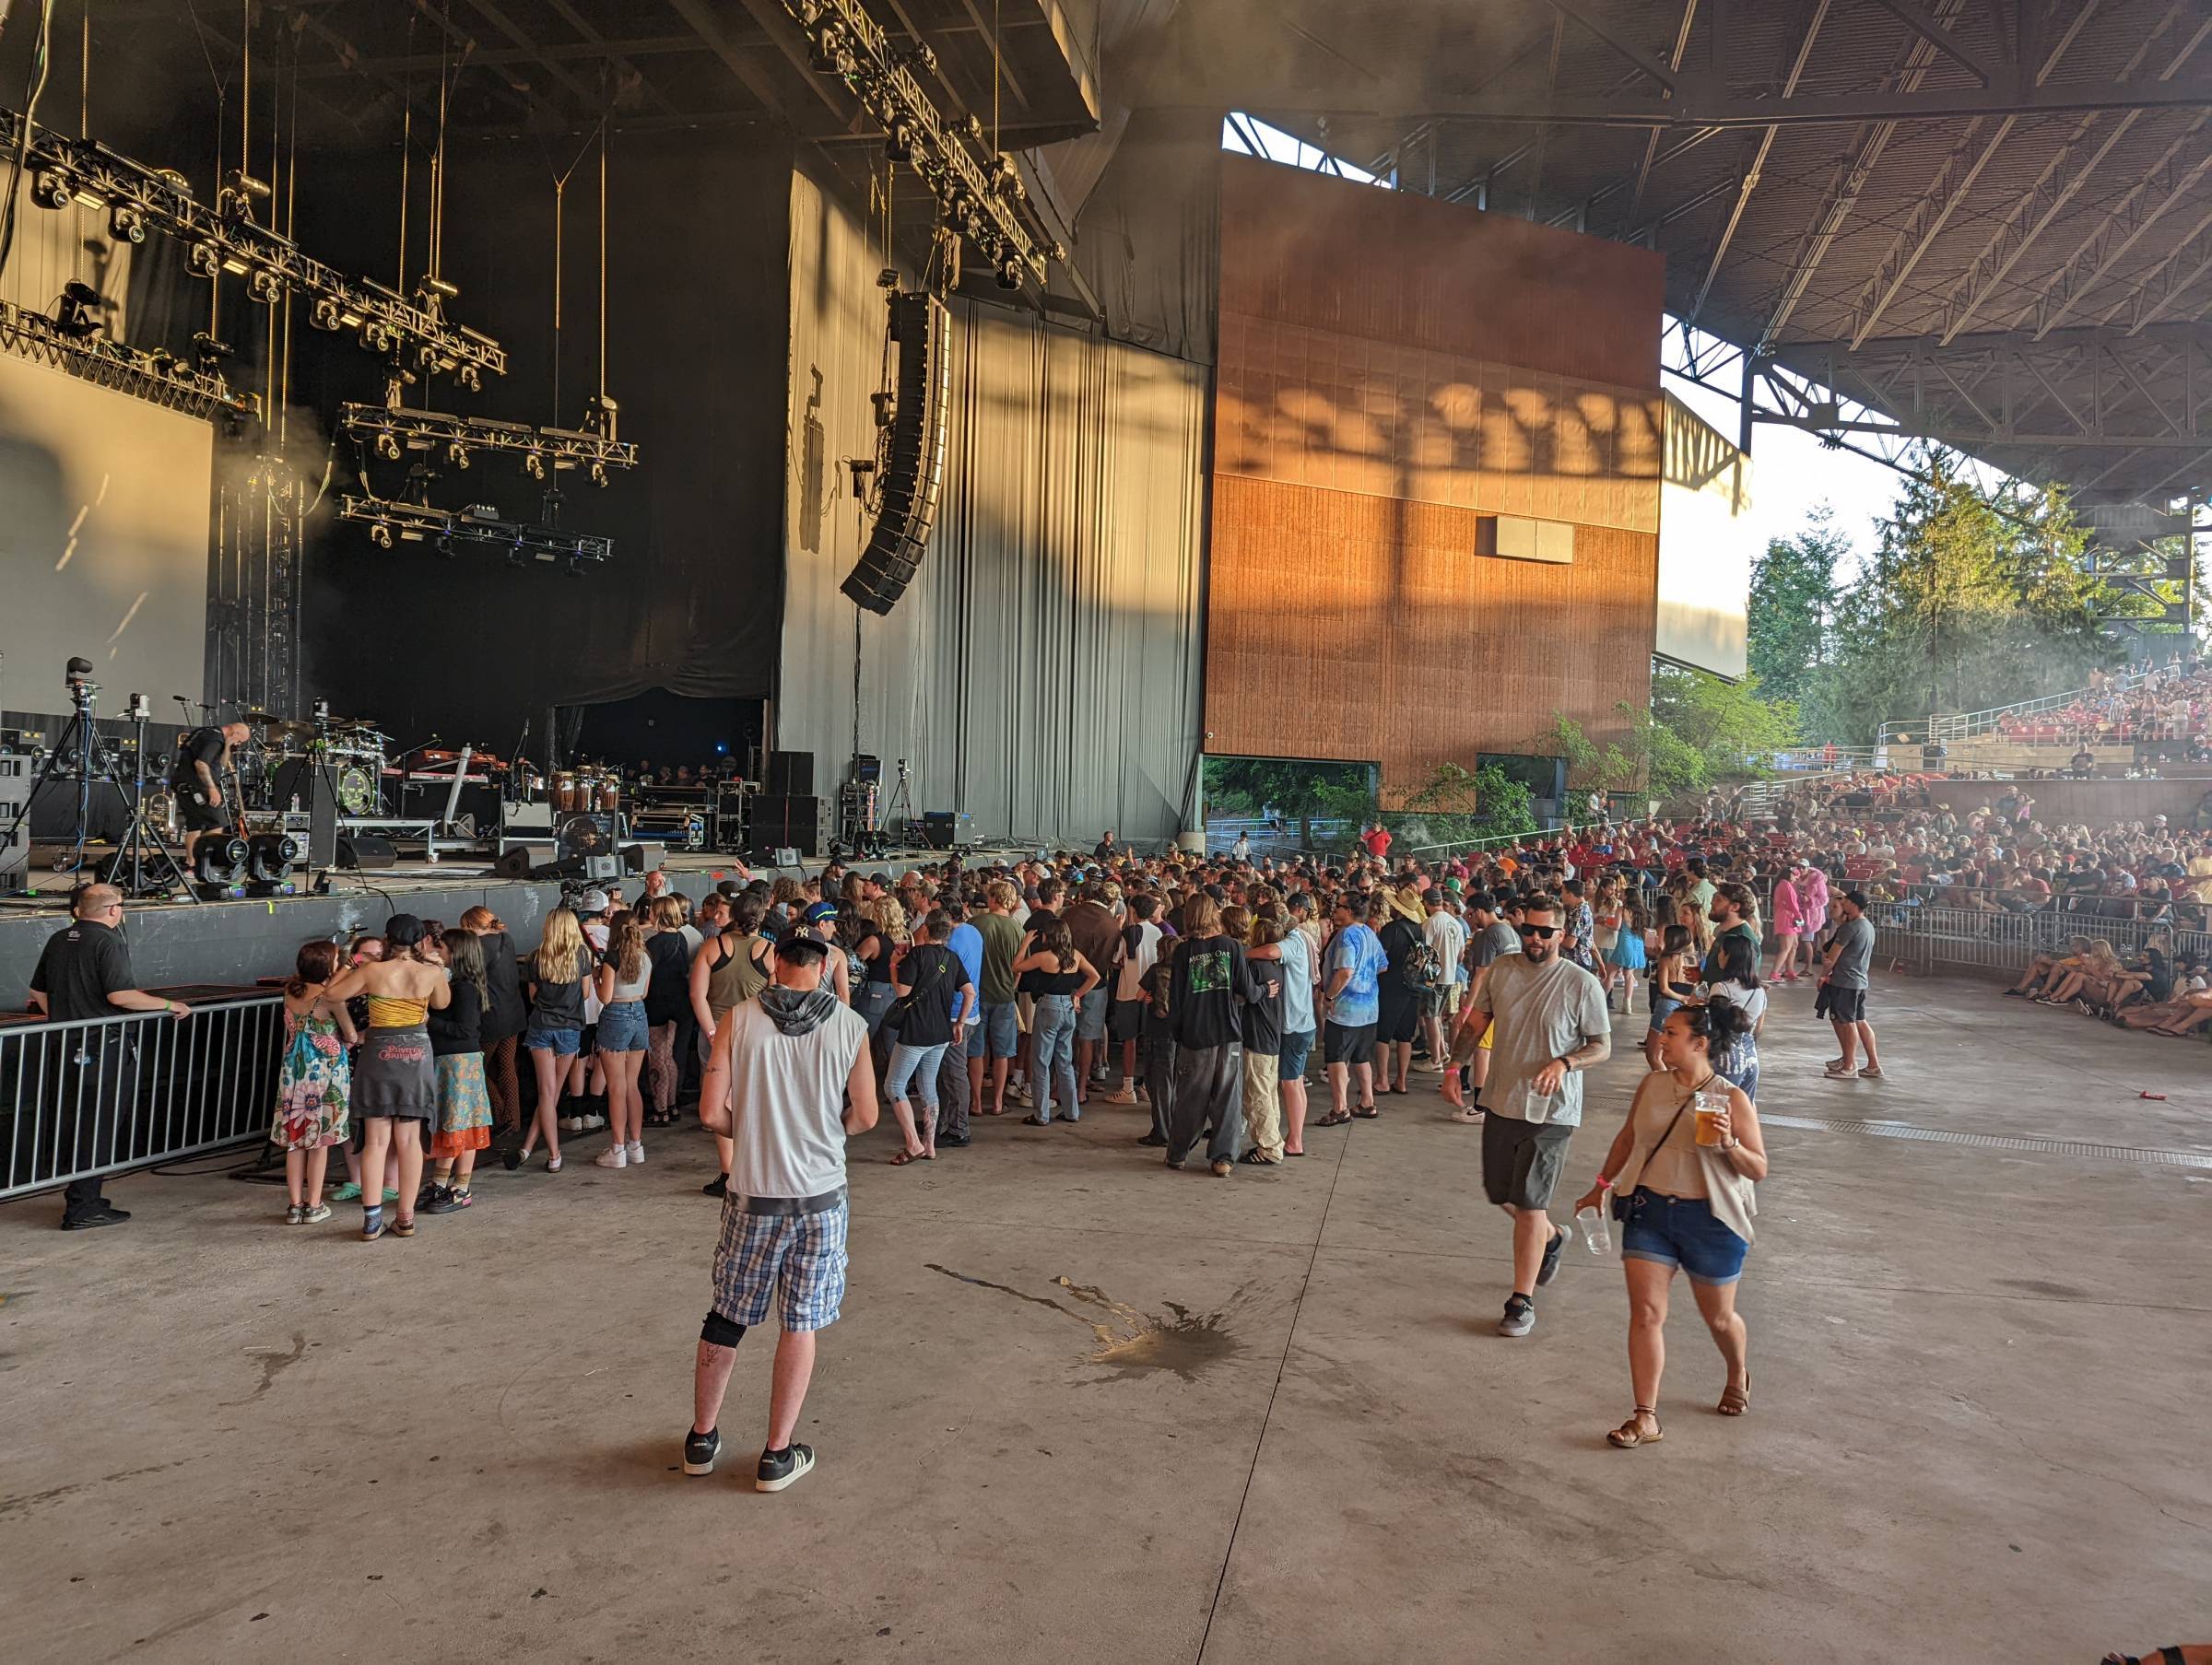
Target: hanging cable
<point>998,77</point>
<point>39,65</point>
<point>407,152</point>
<point>603,138</point>
<point>561,192</point>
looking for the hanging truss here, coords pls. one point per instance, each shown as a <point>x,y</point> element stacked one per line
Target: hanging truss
<point>394,432</point>
<point>226,238</point>
<point>157,378</point>
<point>479,526</point>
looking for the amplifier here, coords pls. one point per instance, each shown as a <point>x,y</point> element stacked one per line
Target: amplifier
<point>783,820</point>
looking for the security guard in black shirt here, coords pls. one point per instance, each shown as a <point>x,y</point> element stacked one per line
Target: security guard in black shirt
<point>89,1084</point>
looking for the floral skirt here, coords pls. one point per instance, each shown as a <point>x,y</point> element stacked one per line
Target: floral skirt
<point>464,1105</point>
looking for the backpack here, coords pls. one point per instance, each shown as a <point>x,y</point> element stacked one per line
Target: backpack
<point>1422,972</point>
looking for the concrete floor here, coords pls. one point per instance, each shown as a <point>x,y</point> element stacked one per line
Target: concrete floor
<point>1080,1409</point>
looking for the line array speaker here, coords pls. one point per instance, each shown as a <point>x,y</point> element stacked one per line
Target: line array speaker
<point>792,821</point>
<point>916,471</point>
<point>791,772</point>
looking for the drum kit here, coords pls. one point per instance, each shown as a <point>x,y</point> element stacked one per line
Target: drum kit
<point>351,749</point>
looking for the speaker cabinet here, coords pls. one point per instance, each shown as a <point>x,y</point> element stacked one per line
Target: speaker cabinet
<point>791,772</point>
<point>795,821</point>
<point>358,850</point>
<point>916,467</point>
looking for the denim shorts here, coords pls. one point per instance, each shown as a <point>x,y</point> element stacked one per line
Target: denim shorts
<point>1297,1049</point>
<point>543,1037</point>
<point>623,1028</point>
<point>1682,1231</point>
<point>998,1034</point>
<point>1090,1017</point>
<point>1662,1009</point>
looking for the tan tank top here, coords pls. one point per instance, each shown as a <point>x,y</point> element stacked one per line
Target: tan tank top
<point>738,979</point>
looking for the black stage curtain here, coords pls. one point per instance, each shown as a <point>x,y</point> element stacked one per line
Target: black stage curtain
<point>697,320</point>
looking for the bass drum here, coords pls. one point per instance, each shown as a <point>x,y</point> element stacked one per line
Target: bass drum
<point>357,790</point>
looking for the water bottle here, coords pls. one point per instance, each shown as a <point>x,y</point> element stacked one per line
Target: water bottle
<point>1592,1221</point>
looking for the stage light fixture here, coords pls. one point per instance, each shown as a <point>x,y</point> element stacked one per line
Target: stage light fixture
<point>470,379</point>
<point>126,225</point>
<point>1010,273</point>
<point>264,287</point>
<point>380,535</point>
<point>899,143</point>
<point>822,49</point>
<point>457,454</point>
<point>326,314</point>
<point>50,188</point>
<point>201,260</point>
<point>599,474</point>
<point>208,353</point>
<point>387,447</point>
<point>220,862</point>
<point>533,465</point>
<point>444,545</point>
<point>270,857</point>
<point>74,309</point>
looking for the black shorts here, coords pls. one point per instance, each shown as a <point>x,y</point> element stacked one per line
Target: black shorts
<point>1347,1043</point>
<point>1126,1019</point>
<point>1398,1015</point>
<point>1846,1005</point>
<point>196,816</point>
<point>1522,1161</point>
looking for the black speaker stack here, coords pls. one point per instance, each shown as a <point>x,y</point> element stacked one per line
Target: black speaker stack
<point>790,772</point>
<point>916,467</point>
<point>797,821</point>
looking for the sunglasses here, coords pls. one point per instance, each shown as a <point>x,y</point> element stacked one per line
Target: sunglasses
<point>1544,931</point>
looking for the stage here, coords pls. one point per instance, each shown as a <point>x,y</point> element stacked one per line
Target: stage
<point>238,941</point>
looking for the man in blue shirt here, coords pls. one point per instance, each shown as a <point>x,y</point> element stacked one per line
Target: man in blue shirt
<point>967,945</point>
<point>1353,962</point>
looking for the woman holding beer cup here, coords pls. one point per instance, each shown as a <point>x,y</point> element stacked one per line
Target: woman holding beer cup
<point>1679,1175</point>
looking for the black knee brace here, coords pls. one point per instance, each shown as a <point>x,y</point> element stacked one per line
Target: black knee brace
<point>719,1331</point>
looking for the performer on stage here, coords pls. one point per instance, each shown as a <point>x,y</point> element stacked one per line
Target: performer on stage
<point>204,759</point>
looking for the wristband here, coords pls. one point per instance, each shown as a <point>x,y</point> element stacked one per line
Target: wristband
<point>1604,1182</point>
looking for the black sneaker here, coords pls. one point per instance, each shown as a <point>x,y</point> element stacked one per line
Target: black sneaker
<point>101,1213</point>
<point>1520,1317</point>
<point>952,1145</point>
<point>1152,1141</point>
<point>779,1469</point>
<point>700,1450</point>
<point>440,1200</point>
<point>1552,1250</point>
<point>719,1186</point>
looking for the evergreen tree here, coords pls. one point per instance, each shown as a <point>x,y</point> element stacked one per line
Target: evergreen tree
<point>1793,598</point>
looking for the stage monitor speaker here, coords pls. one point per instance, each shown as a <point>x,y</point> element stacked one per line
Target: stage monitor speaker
<point>945,828</point>
<point>915,469</point>
<point>793,821</point>
<point>357,850</point>
<point>315,785</point>
<point>645,857</point>
<point>791,772</point>
<point>514,864</point>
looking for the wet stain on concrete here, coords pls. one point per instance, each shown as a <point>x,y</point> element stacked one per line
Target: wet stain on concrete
<point>273,1364</point>
<point>1131,1344</point>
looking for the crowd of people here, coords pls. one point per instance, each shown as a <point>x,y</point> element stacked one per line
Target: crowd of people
<point>2170,704</point>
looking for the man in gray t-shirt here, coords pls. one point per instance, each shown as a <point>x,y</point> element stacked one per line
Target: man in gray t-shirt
<point>1547,1022</point>
<point>1844,988</point>
<point>1490,940</point>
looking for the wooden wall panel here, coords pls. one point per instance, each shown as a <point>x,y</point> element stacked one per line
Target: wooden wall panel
<point>1390,369</point>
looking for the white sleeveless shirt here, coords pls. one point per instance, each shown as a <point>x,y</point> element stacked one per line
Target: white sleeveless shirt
<point>787,1093</point>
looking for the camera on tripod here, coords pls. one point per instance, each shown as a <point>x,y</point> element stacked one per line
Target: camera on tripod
<point>83,693</point>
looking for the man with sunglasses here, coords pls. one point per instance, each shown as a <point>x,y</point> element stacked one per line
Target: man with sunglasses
<point>1547,1022</point>
<point>91,1076</point>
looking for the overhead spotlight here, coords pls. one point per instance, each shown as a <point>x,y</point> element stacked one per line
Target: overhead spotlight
<point>379,533</point>
<point>387,447</point>
<point>598,474</point>
<point>1059,254</point>
<point>376,338</point>
<point>74,309</point>
<point>517,557</point>
<point>549,507</point>
<point>50,189</point>
<point>208,353</point>
<point>202,260</point>
<point>533,465</point>
<point>823,47</point>
<point>1009,273</point>
<point>126,225</point>
<point>899,143</point>
<point>577,565</point>
<point>471,379</point>
<point>326,314</point>
<point>263,286</point>
<point>439,287</point>
<point>426,359</point>
<point>974,125</point>
<point>444,545</point>
<point>923,58</point>
<point>241,190</point>
<point>811,13</point>
<point>457,454</point>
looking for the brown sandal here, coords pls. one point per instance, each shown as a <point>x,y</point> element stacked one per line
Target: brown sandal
<point>1735,1400</point>
<point>1630,1434</point>
<point>903,1157</point>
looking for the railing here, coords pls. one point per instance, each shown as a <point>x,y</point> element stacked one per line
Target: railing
<point>1968,725</point>
<point>104,1093</point>
<point>1926,936</point>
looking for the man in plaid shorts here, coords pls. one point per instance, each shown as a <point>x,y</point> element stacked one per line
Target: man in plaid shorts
<point>801,1082</point>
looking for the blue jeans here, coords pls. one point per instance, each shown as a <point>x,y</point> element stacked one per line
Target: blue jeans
<point>1052,1056</point>
<point>872,999</point>
<point>918,1065</point>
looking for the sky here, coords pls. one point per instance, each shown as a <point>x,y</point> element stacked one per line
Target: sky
<point>1792,472</point>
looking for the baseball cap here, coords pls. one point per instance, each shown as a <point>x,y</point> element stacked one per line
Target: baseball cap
<point>819,911</point>
<point>595,901</point>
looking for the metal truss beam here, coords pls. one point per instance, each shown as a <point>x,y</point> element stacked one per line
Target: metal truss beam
<point>1936,34</point>
<point>226,238</point>
<point>1759,160</point>
<point>2165,281</point>
<point>2167,183</point>
<point>452,529</point>
<point>154,376</point>
<point>395,430</point>
<point>490,11</point>
<point>1662,72</point>
<point>568,52</point>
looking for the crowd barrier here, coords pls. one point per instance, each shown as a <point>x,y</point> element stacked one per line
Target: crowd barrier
<point>102,1095</point>
<point>1927,938</point>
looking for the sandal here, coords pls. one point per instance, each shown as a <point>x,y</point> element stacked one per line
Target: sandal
<point>1735,1400</point>
<point>903,1157</point>
<point>1367,1112</point>
<point>1630,1434</point>
<point>1334,1119</point>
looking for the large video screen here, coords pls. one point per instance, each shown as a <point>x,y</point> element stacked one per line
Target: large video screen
<point>104,513</point>
<point>1707,543</point>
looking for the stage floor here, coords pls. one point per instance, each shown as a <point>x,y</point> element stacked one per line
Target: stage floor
<point>1973,1432</point>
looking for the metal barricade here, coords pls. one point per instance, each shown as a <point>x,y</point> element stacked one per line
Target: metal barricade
<point>101,1094</point>
<point>1925,937</point>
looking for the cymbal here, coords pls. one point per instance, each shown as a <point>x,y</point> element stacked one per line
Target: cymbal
<point>288,734</point>
<point>258,716</point>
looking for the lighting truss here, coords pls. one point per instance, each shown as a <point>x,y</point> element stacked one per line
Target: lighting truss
<point>226,238</point>
<point>984,202</point>
<point>395,430</point>
<point>157,378</point>
<point>477,527</point>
